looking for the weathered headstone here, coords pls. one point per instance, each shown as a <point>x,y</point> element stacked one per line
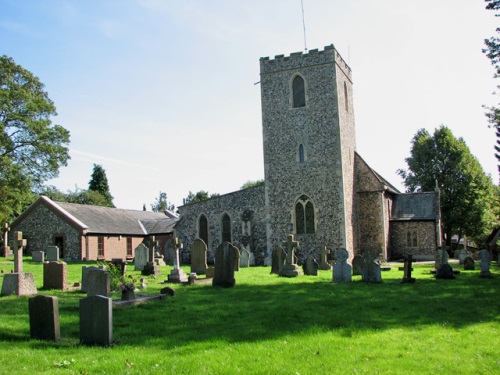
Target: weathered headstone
<point>98,283</point>
<point>85,275</point>
<point>226,257</point>
<point>151,268</point>
<point>237,260</point>
<point>54,275</point>
<point>371,270</point>
<point>169,252</point>
<point>44,318</point>
<point>484,256</point>
<point>199,257</point>
<point>278,258</point>
<point>290,269</point>
<point>440,258</point>
<point>323,259</point>
<point>52,254</point>
<point>462,255</point>
<point>177,275</point>
<point>342,269</point>
<point>357,264</point>
<point>141,257</point>
<point>445,272</point>
<point>244,258</point>
<point>96,320</point>
<point>469,264</point>
<point>38,256</point>
<point>310,267</point>
<point>407,268</point>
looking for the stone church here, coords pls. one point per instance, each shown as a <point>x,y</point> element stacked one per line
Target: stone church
<point>317,187</point>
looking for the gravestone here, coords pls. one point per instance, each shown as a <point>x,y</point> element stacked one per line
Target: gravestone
<point>484,256</point>
<point>462,255</point>
<point>38,256</point>
<point>371,269</point>
<point>445,272</point>
<point>310,267</point>
<point>85,275</point>
<point>290,269</point>
<point>19,283</point>
<point>252,259</point>
<point>277,260</point>
<point>469,264</point>
<point>407,268</point>
<point>323,259</point>
<point>237,260</point>
<point>141,257</point>
<point>177,275</point>
<point>151,268</point>
<point>7,252</point>
<point>342,269</point>
<point>358,263</point>
<point>96,320</point>
<point>98,283</point>
<point>199,257</point>
<point>54,275</point>
<point>440,258</point>
<point>159,259</point>
<point>169,252</point>
<point>44,318</point>
<point>226,257</point>
<point>244,258</point>
<point>52,254</point>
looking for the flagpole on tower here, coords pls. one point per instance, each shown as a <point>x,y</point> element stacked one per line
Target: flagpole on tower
<point>304,25</point>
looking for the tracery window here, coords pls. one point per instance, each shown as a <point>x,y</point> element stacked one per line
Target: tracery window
<point>304,216</point>
<point>299,93</point>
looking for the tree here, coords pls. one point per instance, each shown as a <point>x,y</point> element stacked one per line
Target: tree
<point>467,193</point>
<point>492,51</point>
<point>32,149</point>
<point>250,184</point>
<point>199,197</point>
<point>99,183</point>
<point>161,203</point>
<point>80,196</point>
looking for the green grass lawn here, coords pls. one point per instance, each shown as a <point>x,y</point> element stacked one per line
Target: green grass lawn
<point>272,325</point>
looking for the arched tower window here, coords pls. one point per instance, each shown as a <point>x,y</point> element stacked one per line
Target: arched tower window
<point>299,92</point>
<point>226,228</point>
<point>301,153</point>
<point>346,100</point>
<point>304,216</point>
<point>203,229</point>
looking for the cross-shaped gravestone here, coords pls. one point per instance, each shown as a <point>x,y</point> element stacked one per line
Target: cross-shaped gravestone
<point>177,246</point>
<point>407,268</point>
<point>17,245</point>
<point>290,245</point>
<point>177,275</point>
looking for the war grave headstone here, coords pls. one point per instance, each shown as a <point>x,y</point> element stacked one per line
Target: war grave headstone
<point>484,256</point>
<point>342,269</point>
<point>278,260</point>
<point>443,268</point>
<point>469,264</point>
<point>310,266</point>
<point>96,320</point>
<point>52,254</point>
<point>199,257</point>
<point>357,264</point>
<point>141,257</point>
<point>44,318</point>
<point>54,275</point>
<point>7,252</point>
<point>290,269</point>
<point>226,257</point>
<point>151,268</point>
<point>38,256</point>
<point>244,258</point>
<point>85,275</point>
<point>371,269</point>
<point>323,259</point>
<point>407,268</point>
<point>177,275</point>
<point>98,283</point>
<point>19,283</point>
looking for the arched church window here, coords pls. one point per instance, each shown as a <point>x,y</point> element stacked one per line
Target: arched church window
<point>299,93</point>
<point>304,216</point>
<point>411,239</point>
<point>309,217</point>
<point>414,239</point>
<point>346,100</point>
<point>203,228</point>
<point>300,227</point>
<point>301,153</point>
<point>226,228</point>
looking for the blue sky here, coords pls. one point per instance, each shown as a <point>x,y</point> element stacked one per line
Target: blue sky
<point>162,93</point>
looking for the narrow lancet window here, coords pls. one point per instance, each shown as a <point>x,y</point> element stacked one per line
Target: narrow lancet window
<point>301,153</point>
<point>226,228</point>
<point>203,229</point>
<point>299,93</point>
<point>346,100</point>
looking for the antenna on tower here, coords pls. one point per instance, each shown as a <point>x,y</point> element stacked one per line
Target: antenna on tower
<point>304,25</point>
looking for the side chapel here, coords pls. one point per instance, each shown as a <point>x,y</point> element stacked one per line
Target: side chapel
<point>317,186</point>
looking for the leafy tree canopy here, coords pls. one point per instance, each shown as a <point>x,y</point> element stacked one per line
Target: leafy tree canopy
<point>250,184</point>
<point>161,204</point>
<point>468,200</point>
<point>32,149</point>
<point>99,183</point>
<point>81,196</point>
<point>199,197</point>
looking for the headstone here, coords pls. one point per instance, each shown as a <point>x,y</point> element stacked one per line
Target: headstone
<point>290,269</point>
<point>444,272</point>
<point>85,275</point>
<point>462,255</point>
<point>358,264</point>
<point>52,254</point>
<point>141,257</point>
<point>310,267</point>
<point>54,275</point>
<point>252,259</point>
<point>151,268</point>
<point>199,257</point>
<point>244,258</point>
<point>342,269</point>
<point>371,269</point>
<point>226,257</point>
<point>237,260</point>
<point>323,259</point>
<point>407,268</point>
<point>469,264</point>
<point>177,275</point>
<point>278,258</point>
<point>38,256</point>
<point>98,283</point>
<point>44,318</point>
<point>7,252</point>
<point>159,259</point>
<point>484,256</point>
<point>440,258</point>
<point>96,320</point>
<point>169,252</point>
<point>120,265</point>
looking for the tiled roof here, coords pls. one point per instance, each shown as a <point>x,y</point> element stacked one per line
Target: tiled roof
<point>414,206</point>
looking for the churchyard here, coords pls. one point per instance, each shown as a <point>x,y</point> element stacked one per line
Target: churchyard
<point>267,324</point>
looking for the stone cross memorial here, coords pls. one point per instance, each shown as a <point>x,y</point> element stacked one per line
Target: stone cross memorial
<point>177,275</point>
<point>323,259</point>
<point>290,269</point>
<point>407,268</point>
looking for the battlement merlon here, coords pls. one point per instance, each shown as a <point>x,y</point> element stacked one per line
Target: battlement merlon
<point>298,60</point>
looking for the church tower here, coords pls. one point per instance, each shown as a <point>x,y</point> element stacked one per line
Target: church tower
<point>309,144</point>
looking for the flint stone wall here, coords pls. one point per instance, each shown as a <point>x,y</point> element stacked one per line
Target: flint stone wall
<point>426,234</point>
